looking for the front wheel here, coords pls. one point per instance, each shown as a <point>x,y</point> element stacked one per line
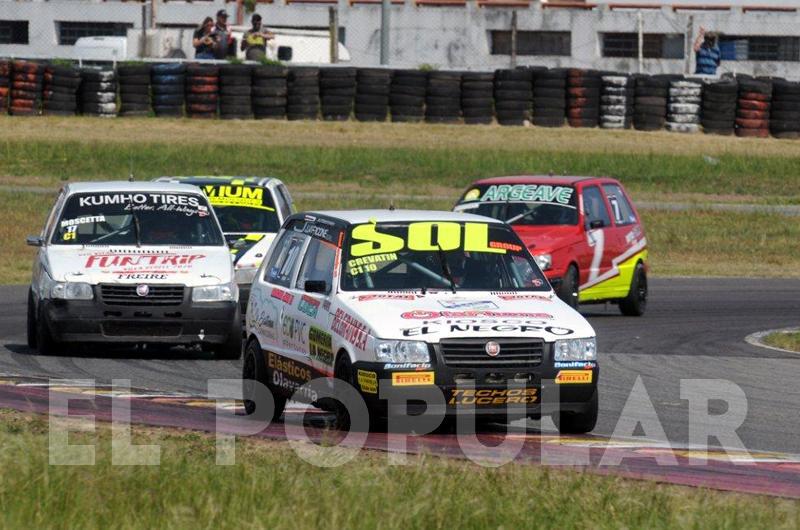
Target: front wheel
<point>231,350</point>
<point>44,339</point>
<point>344,373</point>
<point>31,329</point>
<point>254,372</point>
<point>578,423</point>
<point>568,291</point>
<point>635,304</point>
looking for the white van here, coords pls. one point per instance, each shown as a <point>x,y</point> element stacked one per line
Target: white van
<point>133,263</point>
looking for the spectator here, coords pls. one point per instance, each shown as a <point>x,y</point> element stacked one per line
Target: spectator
<point>222,35</point>
<point>254,43</point>
<point>707,54</point>
<point>203,41</point>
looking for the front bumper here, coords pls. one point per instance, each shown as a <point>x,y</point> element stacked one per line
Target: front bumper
<point>487,390</point>
<point>184,323</point>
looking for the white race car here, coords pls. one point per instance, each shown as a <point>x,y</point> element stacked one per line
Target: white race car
<point>251,211</point>
<point>133,263</point>
<point>402,302</point>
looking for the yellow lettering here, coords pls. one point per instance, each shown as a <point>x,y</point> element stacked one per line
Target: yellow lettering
<point>476,239</point>
<point>371,238</point>
<point>420,236</point>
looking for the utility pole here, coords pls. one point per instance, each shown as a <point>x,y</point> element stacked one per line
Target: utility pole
<point>688,46</point>
<point>641,41</point>
<point>333,29</point>
<point>513,39</point>
<point>385,6</point>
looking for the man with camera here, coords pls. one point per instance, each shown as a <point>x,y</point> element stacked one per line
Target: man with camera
<point>254,43</point>
<point>707,53</point>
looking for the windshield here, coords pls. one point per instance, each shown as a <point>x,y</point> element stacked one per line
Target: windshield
<point>438,255</point>
<point>132,218</point>
<point>523,204</point>
<point>243,209</point>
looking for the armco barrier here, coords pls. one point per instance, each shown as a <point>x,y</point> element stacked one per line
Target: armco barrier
<point>750,107</point>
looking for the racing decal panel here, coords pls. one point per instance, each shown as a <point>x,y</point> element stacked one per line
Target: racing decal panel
<point>616,283</point>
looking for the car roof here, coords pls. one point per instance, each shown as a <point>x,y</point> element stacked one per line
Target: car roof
<point>116,186</point>
<point>202,180</point>
<point>542,179</point>
<point>398,216</point>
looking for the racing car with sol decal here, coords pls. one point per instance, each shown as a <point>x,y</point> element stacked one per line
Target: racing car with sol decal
<point>583,232</point>
<point>401,303</point>
<point>133,263</point>
<point>251,211</point>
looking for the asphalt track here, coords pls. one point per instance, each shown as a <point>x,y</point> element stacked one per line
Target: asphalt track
<point>694,329</point>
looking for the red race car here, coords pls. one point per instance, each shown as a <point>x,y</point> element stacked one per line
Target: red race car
<point>583,232</point>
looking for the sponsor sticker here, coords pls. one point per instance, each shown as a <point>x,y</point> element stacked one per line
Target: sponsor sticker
<point>407,366</point>
<point>371,297</point>
<point>226,195</point>
<point>420,314</point>
<point>496,397</point>
<point>412,378</point>
<point>460,303</point>
<point>290,375</point>
<point>283,296</point>
<point>309,306</point>
<point>528,192</point>
<point>368,381</point>
<point>350,329</point>
<point>320,345</point>
<point>586,365</point>
<point>528,297</point>
<point>142,263</point>
<point>574,377</point>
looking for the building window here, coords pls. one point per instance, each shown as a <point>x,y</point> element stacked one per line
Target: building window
<point>759,48</point>
<point>13,32</point>
<point>533,43</point>
<point>69,32</point>
<point>654,45</point>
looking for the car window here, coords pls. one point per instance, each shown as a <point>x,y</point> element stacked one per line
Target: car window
<point>522,204</point>
<point>286,206</point>
<point>620,207</point>
<point>243,209</point>
<point>317,264</point>
<point>283,262</point>
<point>594,207</point>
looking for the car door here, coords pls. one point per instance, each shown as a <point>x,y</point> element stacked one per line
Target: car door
<point>313,302</point>
<point>624,241</point>
<point>596,261</point>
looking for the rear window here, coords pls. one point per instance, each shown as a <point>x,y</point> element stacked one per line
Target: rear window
<point>523,204</point>
<point>243,209</point>
<point>137,218</point>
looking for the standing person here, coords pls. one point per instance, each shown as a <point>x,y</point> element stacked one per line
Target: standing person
<point>222,35</point>
<point>707,53</point>
<point>254,43</point>
<point>203,41</point>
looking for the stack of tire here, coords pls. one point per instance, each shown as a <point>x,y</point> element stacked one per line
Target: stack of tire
<point>337,88</point>
<point>685,103</point>
<point>752,109</point>
<point>26,88</point>
<point>719,107</point>
<point>616,101</point>
<point>61,84</point>
<point>169,89</point>
<point>477,97</point>
<point>235,91</point>
<point>302,101</point>
<point>269,92</point>
<point>550,98</point>
<point>373,86</point>
<point>513,96</point>
<point>784,120</point>
<point>407,95</point>
<point>5,82</point>
<point>98,93</point>
<point>650,103</point>
<point>583,97</point>
<point>443,97</point>
<point>202,91</point>
<point>134,90</point>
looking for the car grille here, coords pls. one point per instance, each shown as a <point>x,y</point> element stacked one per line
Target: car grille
<point>158,295</point>
<point>471,353</point>
<point>140,329</point>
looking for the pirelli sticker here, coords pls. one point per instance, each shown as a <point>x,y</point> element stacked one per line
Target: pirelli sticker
<point>412,378</point>
<point>574,377</point>
<point>492,397</point>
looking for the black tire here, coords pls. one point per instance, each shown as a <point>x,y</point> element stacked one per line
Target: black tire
<point>255,370</point>
<point>31,328</point>
<point>343,372</point>
<point>635,304</point>
<point>45,343</point>
<point>578,423</point>
<point>568,290</point>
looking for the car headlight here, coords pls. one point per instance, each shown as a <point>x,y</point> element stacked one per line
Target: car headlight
<point>245,275</point>
<point>227,292</point>
<point>71,291</point>
<point>576,350</point>
<point>402,351</point>
<point>544,261</point>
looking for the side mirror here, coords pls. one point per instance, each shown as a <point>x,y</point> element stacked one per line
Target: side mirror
<point>597,223</point>
<point>34,241</point>
<point>316,286</point>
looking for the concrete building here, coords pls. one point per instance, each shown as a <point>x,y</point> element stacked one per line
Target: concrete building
<point>459,34</point>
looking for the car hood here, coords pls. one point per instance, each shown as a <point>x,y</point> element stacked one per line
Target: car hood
<point>541,239</point>
<point>442,314</point>
<point>191,266</point>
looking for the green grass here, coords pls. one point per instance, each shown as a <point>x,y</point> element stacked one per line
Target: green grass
<point>417,168</point>
<point>784,340</point>
<point>270,487</point>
